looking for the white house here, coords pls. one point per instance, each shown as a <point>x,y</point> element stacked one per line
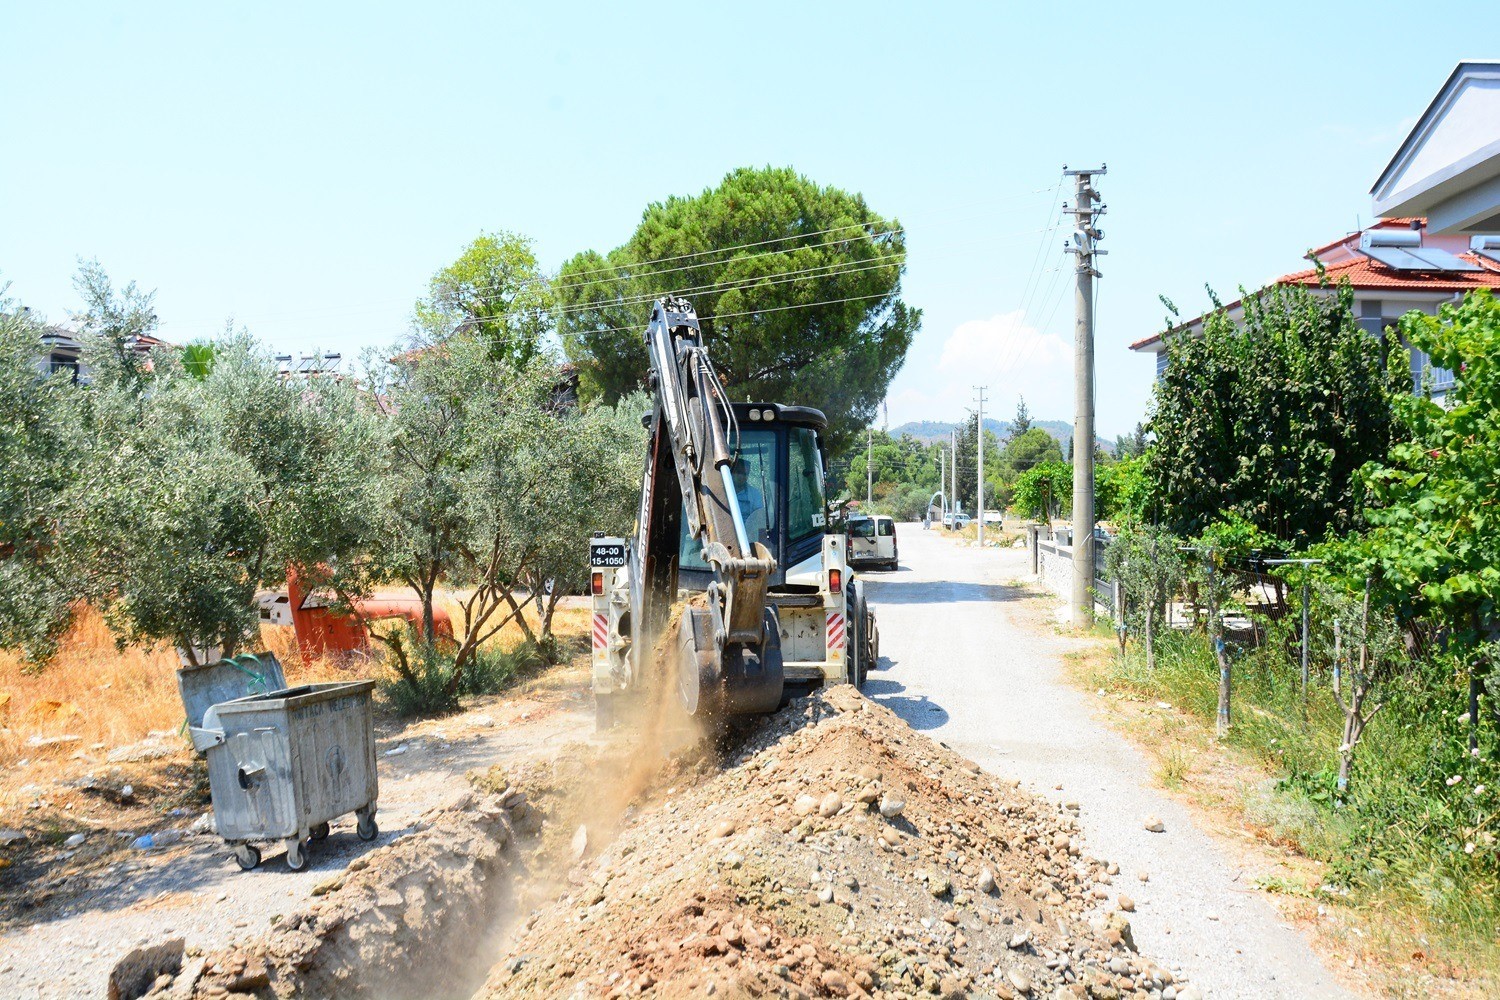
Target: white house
<point>1448,167</point>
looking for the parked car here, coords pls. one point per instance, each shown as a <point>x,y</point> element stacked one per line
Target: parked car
<point>872,541</point>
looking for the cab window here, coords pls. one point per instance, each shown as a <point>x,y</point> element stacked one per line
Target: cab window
<point>755,486</point>
<point>804,510</point>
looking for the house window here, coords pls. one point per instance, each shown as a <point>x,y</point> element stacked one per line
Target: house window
<point>63,363</point>
<point>1161,364</point>
<point>1423,370</point>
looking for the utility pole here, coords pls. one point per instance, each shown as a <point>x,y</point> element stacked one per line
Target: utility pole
<point>942,486</point>
<point>979,473</point>
<point>1085,211</point>
<point>869,469</point>
<point>953,477</point>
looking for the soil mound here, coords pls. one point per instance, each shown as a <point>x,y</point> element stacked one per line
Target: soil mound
<point>833,852</point>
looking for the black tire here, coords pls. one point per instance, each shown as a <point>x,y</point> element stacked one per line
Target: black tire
<point>247,857</point>
<point>859,662</point>
<point>367,829</point>
<point>319,832</point>
<point>296,855</point>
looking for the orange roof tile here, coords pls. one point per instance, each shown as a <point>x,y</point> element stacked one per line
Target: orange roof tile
<point>1363,272</point>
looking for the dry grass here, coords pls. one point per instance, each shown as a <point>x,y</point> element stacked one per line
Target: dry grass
<point>110,696</point>
<point>1005,536</point>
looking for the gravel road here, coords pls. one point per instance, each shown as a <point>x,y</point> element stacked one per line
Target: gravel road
<point>970,662</point>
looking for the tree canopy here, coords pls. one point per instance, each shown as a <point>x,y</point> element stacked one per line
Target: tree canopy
<point>806,308</point>
<point>1272,417</point>
<point>496,290</point>
<point>39,449</point>
<point>1436,534</point>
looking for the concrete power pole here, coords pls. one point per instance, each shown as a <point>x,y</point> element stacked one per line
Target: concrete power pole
<point>869,469</point>
<point>953,473</point>
<point>979,473</point>
<point>942,485</point>
<point>1086,211</point>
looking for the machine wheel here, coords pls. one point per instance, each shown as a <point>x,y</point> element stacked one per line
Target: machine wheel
<point>247,856</point>
<point>367,829</point>
<point>319,832</point>
<point>859,661</point>
<point>296,854</point>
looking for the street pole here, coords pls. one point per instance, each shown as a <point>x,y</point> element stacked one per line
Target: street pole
<point>953,473</point>
<point>1085,235</point>
<point>869,469</point>
<point>942,486</point>
<point>979,472</point>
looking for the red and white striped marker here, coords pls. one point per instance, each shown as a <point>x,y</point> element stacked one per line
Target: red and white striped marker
<point>601,631</point>
<point>835,630</point>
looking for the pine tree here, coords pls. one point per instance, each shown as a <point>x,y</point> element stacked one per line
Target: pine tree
<point>1022,422</point>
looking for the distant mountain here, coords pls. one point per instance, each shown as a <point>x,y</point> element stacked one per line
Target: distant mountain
<point>928,431</point>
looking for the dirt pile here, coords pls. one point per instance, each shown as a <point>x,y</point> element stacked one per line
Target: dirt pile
<point>834,852</point>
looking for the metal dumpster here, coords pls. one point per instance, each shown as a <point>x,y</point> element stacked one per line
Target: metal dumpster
<point>225,680</point>
<point>282,764</point>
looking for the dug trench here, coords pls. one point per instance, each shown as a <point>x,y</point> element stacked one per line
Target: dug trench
<point>826,850</point>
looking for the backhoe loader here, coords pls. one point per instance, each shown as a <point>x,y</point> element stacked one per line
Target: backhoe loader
<point>733,514</point>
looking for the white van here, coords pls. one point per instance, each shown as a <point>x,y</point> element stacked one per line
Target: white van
<point>872,541</point>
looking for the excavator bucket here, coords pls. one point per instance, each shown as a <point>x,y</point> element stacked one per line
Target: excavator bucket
<point>743,679</point>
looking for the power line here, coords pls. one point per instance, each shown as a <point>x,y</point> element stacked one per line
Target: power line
<point>738,284</point>
<point>553,279</point>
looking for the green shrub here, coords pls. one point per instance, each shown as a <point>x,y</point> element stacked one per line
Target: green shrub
<point>492,670</point>
<point>422,685</point>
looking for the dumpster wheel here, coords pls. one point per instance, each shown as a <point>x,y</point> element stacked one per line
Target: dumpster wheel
<point>247,856</point>
<point>319,832</point>
<point>366,828</point>
<point>296,854</point>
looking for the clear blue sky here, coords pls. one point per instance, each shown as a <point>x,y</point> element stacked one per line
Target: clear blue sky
<point>305,168</point>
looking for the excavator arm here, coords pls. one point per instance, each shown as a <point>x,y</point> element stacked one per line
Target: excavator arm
<point>726,656</point>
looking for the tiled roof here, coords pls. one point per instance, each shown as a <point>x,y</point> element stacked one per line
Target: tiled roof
<point>1362,272</point>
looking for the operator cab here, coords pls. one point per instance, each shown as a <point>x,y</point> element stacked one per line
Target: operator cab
<point>778,476</point>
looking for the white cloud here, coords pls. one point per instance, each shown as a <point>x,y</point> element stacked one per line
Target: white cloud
<point>1001,347</point>
<point>1003,353</point>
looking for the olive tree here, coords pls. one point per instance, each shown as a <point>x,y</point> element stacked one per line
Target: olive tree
<point>39,452</point>
<point>187,486</point>
<point>195,492</point>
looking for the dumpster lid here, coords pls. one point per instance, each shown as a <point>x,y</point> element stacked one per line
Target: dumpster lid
<point>225,680</point>
<point>294,697</point>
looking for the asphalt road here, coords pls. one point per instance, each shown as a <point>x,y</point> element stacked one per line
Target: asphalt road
<point>967,662</point>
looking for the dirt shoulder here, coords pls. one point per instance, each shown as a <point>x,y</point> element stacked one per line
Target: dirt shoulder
<point>1232,796</point>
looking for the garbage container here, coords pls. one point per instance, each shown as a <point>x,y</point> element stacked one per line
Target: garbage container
<point>283,764</point>
<point>225,680</point>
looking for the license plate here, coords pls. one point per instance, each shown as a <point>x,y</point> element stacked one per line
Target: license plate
<point>606,555</point>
